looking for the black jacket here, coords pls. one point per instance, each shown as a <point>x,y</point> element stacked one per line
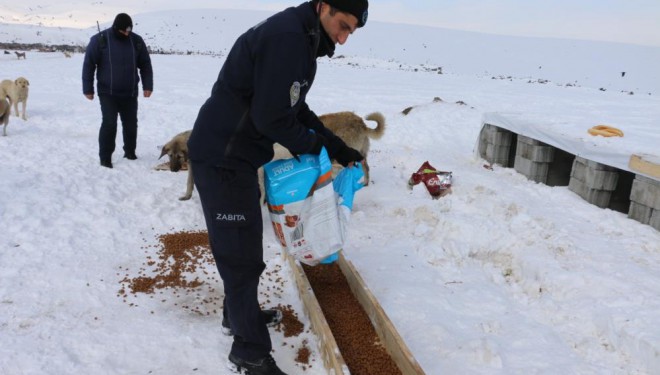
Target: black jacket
<point>259,96</point>
<point>116,62</point>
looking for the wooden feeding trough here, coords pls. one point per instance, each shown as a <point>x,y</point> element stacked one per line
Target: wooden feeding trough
<point>387,335</point>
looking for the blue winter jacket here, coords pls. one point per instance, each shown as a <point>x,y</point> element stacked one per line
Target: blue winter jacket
<point>259,96</point>
<point>116,62</point>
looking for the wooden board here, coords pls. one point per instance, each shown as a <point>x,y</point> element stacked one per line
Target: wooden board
<point>384,328</point>
<point>388,335</point>
<point>642,165</point>
<point>332,358</point>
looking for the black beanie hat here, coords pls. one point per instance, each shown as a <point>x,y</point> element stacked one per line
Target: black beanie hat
<point>358,8</point>
<point>123,22</point>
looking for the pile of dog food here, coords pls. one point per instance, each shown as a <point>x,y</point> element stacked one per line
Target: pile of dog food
<point>291,326</point>
<point>181,267</point>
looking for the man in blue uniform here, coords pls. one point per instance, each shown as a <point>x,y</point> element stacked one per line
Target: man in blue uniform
<point>259,99</point>
<point>116,54</point>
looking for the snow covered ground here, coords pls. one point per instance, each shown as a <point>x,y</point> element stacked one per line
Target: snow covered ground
<point>504,276</point>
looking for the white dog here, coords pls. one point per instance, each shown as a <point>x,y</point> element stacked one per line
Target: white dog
<point>17,91</point>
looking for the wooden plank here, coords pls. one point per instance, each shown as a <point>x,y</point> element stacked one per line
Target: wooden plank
<point>640,164</point>
<point>386,331</point>
<point>332,358</point>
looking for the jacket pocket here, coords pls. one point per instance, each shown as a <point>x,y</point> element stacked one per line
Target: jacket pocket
<point>237,201</point>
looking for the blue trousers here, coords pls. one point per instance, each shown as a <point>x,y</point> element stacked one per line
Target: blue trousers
<point>126,107</point>
<point>230,201</point>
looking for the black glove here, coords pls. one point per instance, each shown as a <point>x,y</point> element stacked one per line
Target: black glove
<point>346,154</point>
<point>318,144</point>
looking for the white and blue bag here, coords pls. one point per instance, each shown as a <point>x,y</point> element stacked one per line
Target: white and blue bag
<point>309,217</point>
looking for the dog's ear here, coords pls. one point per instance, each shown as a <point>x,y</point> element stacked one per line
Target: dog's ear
<point>164,151</point>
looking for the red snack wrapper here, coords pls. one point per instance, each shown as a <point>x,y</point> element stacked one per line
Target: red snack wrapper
<point>438,183</point>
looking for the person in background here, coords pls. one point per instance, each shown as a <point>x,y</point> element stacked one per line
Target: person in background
<point>257,100</point>
<point>116,55</point>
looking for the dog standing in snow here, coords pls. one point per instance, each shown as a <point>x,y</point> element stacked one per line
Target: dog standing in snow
<point>355,133</point>
<point>17,91</point>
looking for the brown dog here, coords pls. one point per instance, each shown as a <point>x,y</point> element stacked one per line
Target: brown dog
<point>19,55</point>
<point>355,133</point>
<point>177,150</point>
<point>346,125</point>
<point>4,115</point>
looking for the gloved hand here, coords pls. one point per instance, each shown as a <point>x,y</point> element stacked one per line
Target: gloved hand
<point>318,144</point>
<point>343,154</point>
<point>346,155</point>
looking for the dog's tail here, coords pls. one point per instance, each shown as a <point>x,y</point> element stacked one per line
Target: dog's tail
<point>379,130</point>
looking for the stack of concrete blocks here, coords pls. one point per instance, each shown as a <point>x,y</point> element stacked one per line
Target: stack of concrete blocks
<point>645,201</point>
<point>533,158</point>
<point>495,144</point>
<point>594,182</point>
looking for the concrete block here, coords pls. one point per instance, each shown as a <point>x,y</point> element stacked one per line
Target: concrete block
<point>595,175</point>
<point>498,136</point>
<point>495,144</point>
<point>594,165</point>
<point>530,141</point>
<point>482,145</point>
<point>581,160</point>
<point>655,220</point>
<point>534,171</point>
<point>601,179</point>
<point>645,191</point>
<point>640,212</point>
<point>498,154</point>
<point>648,180</point>
<point>579,170</point>
<point>535,153</point>
<point>600,198</point>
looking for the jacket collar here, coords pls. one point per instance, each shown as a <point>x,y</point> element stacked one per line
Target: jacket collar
<point>322,45</point>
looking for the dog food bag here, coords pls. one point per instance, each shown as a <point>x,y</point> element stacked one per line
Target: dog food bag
<point>438,183</point>
<point>347,182</point>
<point>303,207</point>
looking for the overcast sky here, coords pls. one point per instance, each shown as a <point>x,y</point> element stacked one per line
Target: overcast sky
<point>628,21</point>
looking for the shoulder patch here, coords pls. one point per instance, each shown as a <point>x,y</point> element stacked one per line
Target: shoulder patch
<point>294,93</point>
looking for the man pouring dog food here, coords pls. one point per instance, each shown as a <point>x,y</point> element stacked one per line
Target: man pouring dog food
<point>257,100</point>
